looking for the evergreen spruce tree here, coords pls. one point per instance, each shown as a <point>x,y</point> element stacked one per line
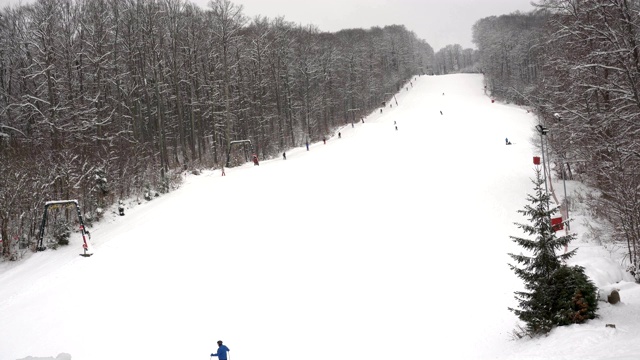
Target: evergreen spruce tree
<point>555,294</point>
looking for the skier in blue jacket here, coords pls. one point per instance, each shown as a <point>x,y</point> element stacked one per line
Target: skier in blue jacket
<point>222,351</point>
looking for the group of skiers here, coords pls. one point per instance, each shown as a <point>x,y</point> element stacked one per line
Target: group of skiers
<point>256,162</point>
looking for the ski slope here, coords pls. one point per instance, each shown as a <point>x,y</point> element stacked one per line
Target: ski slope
<point>382,244</point>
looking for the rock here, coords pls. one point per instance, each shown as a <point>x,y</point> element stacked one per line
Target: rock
<point>614,297</point>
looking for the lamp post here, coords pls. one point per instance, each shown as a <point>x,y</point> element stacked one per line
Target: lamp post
<point>564,183</point>
<point>543,131</point>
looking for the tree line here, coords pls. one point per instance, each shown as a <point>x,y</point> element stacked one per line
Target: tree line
<point>453,59</point>
<point>576,64</point>
<point>102,100</point>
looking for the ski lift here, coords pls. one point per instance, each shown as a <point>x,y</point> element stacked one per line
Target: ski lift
<point>83,231</point>
<point>235,142</point>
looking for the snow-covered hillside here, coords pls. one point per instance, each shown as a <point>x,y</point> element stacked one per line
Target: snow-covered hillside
<point>380,244</point>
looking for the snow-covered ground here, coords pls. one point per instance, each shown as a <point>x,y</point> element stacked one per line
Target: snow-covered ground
<point>382,244</point>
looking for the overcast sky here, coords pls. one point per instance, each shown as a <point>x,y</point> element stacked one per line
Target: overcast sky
<point>439,22</point>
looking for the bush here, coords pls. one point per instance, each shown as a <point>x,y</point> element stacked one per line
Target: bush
<point>61,233</point>
<point>576,297</point>
<point>566,297</point>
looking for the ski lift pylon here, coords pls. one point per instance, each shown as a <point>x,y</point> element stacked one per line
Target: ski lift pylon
<point>85,246</point>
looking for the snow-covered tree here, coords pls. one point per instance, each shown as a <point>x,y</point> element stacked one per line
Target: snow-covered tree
<point>509,53</point>
<point>591,79</point>
<point>555,294</point>
<point>144,89</point>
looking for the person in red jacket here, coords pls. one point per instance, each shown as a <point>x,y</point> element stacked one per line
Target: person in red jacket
<point>255,160</point>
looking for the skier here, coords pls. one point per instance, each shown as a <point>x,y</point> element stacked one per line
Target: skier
<point>255,160</point>
<point>307,145</point>
<point>324,140</point>
<point>506,141</point>
<point>339,136</point>
<point>222,351</point>
<point>441,112</point>
<point>284,156</point>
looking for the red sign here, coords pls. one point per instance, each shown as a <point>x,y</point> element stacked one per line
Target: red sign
<point>536,160</point>
<point>557,224</point>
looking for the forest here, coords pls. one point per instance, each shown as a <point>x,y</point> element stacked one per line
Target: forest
<point>576,65</point>
<point>103,100</point>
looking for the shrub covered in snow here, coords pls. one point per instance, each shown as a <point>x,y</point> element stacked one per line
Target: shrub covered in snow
<point>575,297</point>
<point>61,233</point>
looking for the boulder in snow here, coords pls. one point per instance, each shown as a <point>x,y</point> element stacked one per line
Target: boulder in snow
<point>614,297</point>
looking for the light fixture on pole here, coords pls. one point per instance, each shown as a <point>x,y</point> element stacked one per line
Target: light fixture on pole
<point>543,131</point>
<point>564,182</point>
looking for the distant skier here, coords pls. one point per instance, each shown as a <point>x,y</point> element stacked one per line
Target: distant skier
<point>284,156</point>
<point>255,160</point>
<point>506,141</point>
<point>324,140</point>
<point>222,171</point>
<point>441,112</point>
<point>222,351</point>
<point>307,143</point>
<point>339,135</point>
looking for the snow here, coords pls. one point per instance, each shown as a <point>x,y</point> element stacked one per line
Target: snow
<point>381,244</point>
